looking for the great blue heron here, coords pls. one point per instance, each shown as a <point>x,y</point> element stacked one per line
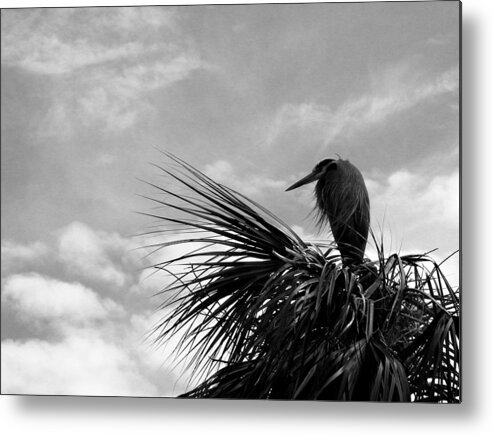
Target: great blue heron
<point>342,199</point>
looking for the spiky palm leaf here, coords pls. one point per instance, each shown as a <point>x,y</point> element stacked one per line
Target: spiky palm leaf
<point>264,314</point>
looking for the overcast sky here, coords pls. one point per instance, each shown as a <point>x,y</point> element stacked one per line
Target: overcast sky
<point>254,96</point>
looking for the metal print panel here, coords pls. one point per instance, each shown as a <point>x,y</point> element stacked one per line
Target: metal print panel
<point>232,201</point>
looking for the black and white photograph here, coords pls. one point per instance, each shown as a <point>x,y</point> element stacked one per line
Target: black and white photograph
<point>232,201</point>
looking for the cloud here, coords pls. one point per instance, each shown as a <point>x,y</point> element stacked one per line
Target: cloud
<point>109,357</point>
<point>304,116</point>
<point>15,256</point>
<point>417,213</point>
<point>100,62</point>
<point>59,41</point>
<point>41,298</point>
<point>21,252</point>
<point>50,55</point>
<point>77,365</point>
<point>135,19</point>
<point>65,337</point>
<point>439,39</point>
<point>97,255</point>
<point>78,253</point>
<point>394,89</point>
<point>251,185</point>
<point>116,100</point>
<point>65,333</point>
<point>411,198</point>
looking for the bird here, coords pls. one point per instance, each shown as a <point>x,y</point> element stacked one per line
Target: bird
<point>342,200</point>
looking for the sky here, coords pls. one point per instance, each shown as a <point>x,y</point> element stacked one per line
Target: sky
<point>254,96</point>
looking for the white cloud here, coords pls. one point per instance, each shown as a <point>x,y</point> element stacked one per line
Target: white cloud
<point>36,297</point>
<point>79,253</point>
<point>71,339</point>
<point>115,97</point>
<point>136,19</point>
<point>170,373</point>
<point>152,281</point>
<point>60,41</point>
<point>104,61</point>
<point>251,185</point>
<point>15,256</point>
<point>299,116</point>
<point>394,89</point>
<point>93,254</point>
<point>75,366</point>
<point>407,196</point>
<point>417,213</point>
<point>112,357</point>
<point>116,100</point>
<point>50,55</point>
<point>439,39</point>
<point>14,251</point>
<point>156,74</point>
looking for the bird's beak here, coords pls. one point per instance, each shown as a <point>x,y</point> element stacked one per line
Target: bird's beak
<point>305,180</point>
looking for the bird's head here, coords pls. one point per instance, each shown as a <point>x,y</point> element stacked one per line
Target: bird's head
<point>321,169</point>
<point>342,200</point>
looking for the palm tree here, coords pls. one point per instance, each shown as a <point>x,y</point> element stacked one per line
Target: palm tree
<point>265,315</point>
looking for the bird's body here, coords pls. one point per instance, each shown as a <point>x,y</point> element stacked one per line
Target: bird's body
<point>342,200</point>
